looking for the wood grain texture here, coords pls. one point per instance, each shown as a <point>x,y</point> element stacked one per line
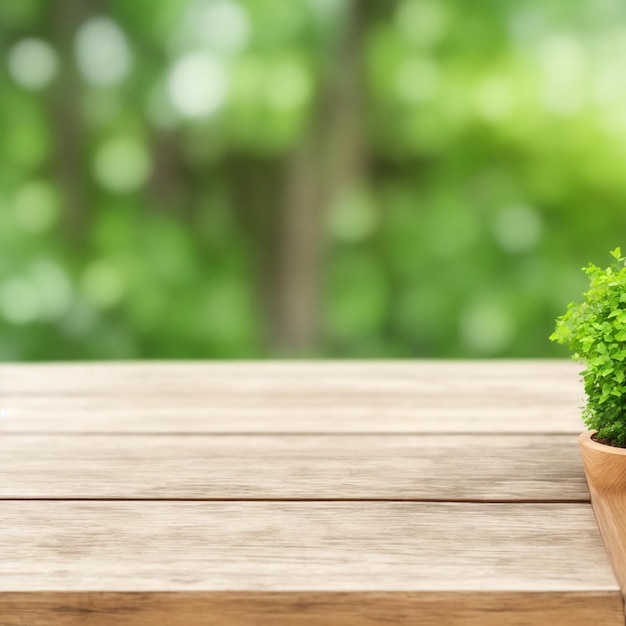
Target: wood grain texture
<point>307,546</point>
<point>426,467</point>
<point>313,413</point>
<point>296,397</point>
<point>323,493</point>
<point>313,609</point>
<point>179,377</point>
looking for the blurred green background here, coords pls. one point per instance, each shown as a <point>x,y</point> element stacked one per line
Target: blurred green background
<point>324,178</point>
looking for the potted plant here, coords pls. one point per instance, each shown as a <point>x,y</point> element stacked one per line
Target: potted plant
<point>595,332</point>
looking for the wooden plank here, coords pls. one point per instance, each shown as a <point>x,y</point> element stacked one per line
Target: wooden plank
<point>313,413</point>
<point>415,397</point>
<point>304,564</point>
<point>302,546</point>
<point>313,609</point>
<point>435,467</point>
<point>369,377</point>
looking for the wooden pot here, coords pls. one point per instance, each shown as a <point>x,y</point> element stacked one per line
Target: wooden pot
<point>605,469</point>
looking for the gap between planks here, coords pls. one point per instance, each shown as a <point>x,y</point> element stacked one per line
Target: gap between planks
<point>286,433</point>
<point>242,500</point>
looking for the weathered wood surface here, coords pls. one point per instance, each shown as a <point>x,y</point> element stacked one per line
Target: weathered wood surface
<point>414,377</point>
<point>301,546</point>
<point>304,467</point>
<point>297,493</point>
<point>438,412</point>
<point>294,397</point>
<point>251,563</point>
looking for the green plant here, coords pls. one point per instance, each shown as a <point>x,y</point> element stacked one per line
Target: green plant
<point>595,332</point>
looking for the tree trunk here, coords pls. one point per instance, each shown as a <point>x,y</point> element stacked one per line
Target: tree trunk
<point>331,158</point>
<point>69,161</point>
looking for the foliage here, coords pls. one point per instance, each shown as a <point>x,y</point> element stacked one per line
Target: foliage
<point>337,178</point>
<point>595,331</point>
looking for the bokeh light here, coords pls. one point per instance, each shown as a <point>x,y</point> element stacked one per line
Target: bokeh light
<point>36,206</point>
<point>122,164</point>
<point>198,84</point>
<point>102,52</point>
<point>33,63</point>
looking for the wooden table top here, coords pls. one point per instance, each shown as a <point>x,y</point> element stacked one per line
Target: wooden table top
<point>297,493</point>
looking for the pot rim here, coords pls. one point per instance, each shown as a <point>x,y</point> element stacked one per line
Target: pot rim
<point>585,439</point>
